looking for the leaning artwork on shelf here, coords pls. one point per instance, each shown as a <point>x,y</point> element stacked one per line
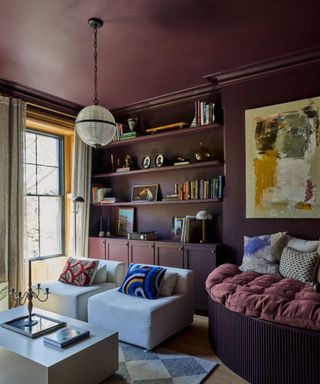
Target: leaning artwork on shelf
<point>125,221</point>
<point>147,192</point>
<point>283,160</point>
<point>177,224</point>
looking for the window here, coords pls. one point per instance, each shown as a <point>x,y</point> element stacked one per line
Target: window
<point>45,195</point>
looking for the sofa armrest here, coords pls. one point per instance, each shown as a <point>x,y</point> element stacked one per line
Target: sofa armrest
<point>115,272</point>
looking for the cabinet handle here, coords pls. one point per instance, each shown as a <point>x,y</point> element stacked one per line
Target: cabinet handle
<point>180,248</point>
<point>213,251</point>
<point>127,243</point>
<point>152,246</point>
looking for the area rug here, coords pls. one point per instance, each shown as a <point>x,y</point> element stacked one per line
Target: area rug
<point>161,366</point>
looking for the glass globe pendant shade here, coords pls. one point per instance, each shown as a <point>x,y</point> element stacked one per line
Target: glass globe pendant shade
<point>95,126</point>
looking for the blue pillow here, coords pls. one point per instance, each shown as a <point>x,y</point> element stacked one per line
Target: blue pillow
<point>142,281</point>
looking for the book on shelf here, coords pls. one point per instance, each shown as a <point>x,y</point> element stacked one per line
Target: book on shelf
<point>200,189</point>
<point>110,200</point>
<point>66,336</point>
<point>129,135</point>
<point>191,230</point>
<point>204,113</point>
<point>99,192</point>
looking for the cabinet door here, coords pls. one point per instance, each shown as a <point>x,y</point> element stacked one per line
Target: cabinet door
<point>97,248</point>
<point>142,252</point>
<point>169,254</point>
<point>202,260</point>
<point>118,250</point>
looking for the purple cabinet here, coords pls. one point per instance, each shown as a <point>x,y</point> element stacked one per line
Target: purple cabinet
<point>118,250</point>
<point>97,248</point>
<point>142,252</point>
<point>169,254</point>
<point>202,260</point>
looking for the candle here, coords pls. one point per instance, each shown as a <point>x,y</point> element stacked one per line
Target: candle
<point>30,274</point>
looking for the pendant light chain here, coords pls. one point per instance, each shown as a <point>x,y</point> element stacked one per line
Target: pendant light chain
<point>95,101</point>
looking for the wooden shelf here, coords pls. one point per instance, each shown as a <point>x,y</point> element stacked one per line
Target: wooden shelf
<point>200,164</point>
<point>138,203</point>
<point>165,135</point>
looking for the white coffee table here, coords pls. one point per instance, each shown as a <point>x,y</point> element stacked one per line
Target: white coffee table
<point>25,360</point>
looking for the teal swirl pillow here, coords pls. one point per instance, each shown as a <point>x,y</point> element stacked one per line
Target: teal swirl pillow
<point>142,281</point>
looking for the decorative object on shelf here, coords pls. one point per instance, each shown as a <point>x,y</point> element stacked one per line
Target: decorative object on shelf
<point>95,125</point>
<point>125,221</point>
<point>282,160</point>
<point>159,160</point>
<point>147,192</point>
<point>146,162</point>
<point>132,122</point>
<point>169,126</point>
<point>204,216</point>
<point>76,201</point>
<point>179,160</point>
<point>203,153</point>
<point>147,236</point>
<point>101,231</point>
<point>127,165</point>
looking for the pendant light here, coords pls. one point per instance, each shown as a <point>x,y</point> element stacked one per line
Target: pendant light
<point>95,125</point>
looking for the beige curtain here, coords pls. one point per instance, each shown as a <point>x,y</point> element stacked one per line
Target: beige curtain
<point>81,186</point>
<point>12,133</point>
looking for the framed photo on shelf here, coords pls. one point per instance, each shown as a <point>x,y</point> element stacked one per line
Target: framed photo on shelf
<point>125,221</point>
<point>177,225</point>
<point>148,192</point>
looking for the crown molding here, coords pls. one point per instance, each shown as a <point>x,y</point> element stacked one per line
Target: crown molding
<point>268,67</point>
<point>42,99</point>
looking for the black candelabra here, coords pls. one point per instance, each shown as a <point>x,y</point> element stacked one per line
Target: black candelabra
<point>29,295</point>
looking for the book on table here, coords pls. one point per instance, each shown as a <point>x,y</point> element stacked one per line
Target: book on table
<point>66,336</point>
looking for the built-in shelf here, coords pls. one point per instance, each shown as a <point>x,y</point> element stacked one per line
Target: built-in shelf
<point>138,203</point>
<point>164,135</point>
<point>200,164</point>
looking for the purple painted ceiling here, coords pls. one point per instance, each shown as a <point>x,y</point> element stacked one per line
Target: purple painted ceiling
<point>146,47</point>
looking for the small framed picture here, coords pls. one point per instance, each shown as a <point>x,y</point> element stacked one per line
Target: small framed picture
<point>177,224</point>
<point>125,221</point>
<point>147,192</point>
<point>159,160</point>
<point>146,162</point>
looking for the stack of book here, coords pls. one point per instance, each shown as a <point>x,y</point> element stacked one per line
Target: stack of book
<point>204,113</point>
<point>129,135</point>
<point>99,192</point>
<point>109,200</point>
<point>66,336</point>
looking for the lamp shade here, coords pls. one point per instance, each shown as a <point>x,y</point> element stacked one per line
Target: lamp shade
<point>203,215</point>
<point>95,126</point>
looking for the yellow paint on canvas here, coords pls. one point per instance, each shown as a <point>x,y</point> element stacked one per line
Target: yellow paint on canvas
<point>264,169</point>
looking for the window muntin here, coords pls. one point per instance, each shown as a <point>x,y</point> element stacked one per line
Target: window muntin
<point>45,195</point>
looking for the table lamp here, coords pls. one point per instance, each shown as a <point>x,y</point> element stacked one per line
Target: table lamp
<point>203,216</point>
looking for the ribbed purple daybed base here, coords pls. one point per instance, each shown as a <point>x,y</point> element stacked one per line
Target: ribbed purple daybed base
<point>262,352</point>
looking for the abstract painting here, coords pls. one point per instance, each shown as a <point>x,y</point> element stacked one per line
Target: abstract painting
<point>283,160</point>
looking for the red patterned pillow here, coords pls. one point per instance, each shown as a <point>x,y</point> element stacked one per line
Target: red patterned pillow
<point>79,272</point>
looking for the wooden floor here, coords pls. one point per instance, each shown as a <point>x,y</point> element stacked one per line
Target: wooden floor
<point>194,341</point>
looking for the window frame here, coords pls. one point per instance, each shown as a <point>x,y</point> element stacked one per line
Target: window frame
<point>61,194</point>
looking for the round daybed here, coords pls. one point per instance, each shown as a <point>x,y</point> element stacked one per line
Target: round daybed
<point>262,352</point>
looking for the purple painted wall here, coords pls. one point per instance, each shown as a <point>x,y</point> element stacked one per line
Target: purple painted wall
<point>236,98</point>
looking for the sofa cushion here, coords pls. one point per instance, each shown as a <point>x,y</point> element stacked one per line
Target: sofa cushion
<point>268,297</point>
<point>168,283</point>
<point>100,276</point>
<point>79,272</point>
<point>299,265</point>
<point>302,245</point>
<point>143,281</point>
<point>262,253</point>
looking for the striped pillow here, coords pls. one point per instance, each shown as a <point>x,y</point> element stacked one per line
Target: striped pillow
<point>142,281</point>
